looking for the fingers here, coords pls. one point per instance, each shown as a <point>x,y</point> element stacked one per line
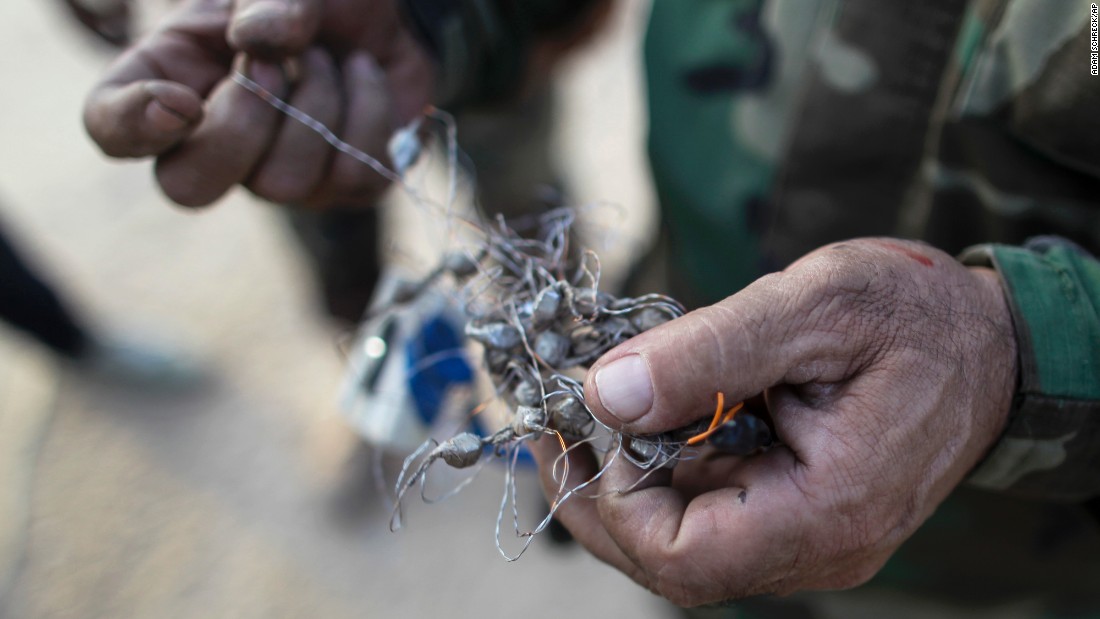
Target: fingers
<point>232,139</point>
<point>298,158</point>
<point>302,167</point>
<point>667,377</point>
<point>738,537</point>
<point>413,69</point>
<point>857,347</point>
<point>579,512</point>
<point>741,538</point>
<point>242,139</point>
<point>142,118</point>
<point>172,96</point>
<point>733,539</point>
<point>151,97</point>
<point>368,123</point>
<point>274,29</point>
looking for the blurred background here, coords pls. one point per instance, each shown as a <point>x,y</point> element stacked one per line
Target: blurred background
<point>247,496</point>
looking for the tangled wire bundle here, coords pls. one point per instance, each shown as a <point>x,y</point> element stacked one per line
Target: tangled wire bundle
<point>535,307</point>
<point>534,304</point>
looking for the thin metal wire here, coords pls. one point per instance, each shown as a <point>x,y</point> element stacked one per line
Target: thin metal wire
<point>443,118</point>
<point>316,126</point>
<point>511,272</point>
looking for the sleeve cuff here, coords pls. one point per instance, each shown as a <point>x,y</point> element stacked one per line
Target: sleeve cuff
<point>1051,446</point>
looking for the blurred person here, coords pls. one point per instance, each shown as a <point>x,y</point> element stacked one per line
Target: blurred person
<point>32,303</point>
<point>937,416</point>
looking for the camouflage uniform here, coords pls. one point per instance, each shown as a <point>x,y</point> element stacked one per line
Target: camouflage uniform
<point>780,126</point>
<point>944,121</point>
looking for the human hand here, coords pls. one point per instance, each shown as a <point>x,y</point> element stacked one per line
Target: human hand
<point>172,97</point>
<point>888,369</point>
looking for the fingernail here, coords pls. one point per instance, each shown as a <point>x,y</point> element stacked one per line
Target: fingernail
<point>164,119</point>
<point>265,10</point>
<point>178,109</point>
<point>625,388</point>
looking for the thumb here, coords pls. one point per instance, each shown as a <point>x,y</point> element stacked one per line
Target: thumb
<point>274,29</point>
<point>141,118</point>
<point>666,378</point>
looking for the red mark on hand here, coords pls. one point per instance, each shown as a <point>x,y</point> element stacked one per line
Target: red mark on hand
<point>915,255</point>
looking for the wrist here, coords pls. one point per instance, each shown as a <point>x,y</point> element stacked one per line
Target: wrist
<point>1047,450</point>
<point>1003,359</point>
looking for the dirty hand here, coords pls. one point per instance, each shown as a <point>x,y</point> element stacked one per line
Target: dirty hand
<point>171,96</point>
<point>888,369</point>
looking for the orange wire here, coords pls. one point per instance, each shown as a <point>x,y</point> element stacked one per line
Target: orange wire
<point>731,412</point>
<point>718,410</point>
<point>713,422</point>
<point>718,420</point>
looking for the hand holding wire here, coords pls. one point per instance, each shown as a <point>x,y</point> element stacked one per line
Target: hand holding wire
<point>886,373</point>
<point>174,97</point>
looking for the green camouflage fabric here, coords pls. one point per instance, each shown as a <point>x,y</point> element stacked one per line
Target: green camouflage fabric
<point>781,126</point>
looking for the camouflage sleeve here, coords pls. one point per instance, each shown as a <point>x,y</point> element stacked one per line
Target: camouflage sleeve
<point>1051,447</point>
<point>482,46</point>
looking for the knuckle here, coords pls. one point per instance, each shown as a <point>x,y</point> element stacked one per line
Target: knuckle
<point>673,585</point>
<point>853,544</point>
<point>858,574</point>
<point>684,578</point>
<point>864,572</point>
<point>688,585</point>
<point>715,322</point>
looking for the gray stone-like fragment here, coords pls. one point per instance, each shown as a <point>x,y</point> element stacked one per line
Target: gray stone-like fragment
<point>499,335</point>
<point>552,348</point>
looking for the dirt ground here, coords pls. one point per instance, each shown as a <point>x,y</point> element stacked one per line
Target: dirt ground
<point>249,497</point>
